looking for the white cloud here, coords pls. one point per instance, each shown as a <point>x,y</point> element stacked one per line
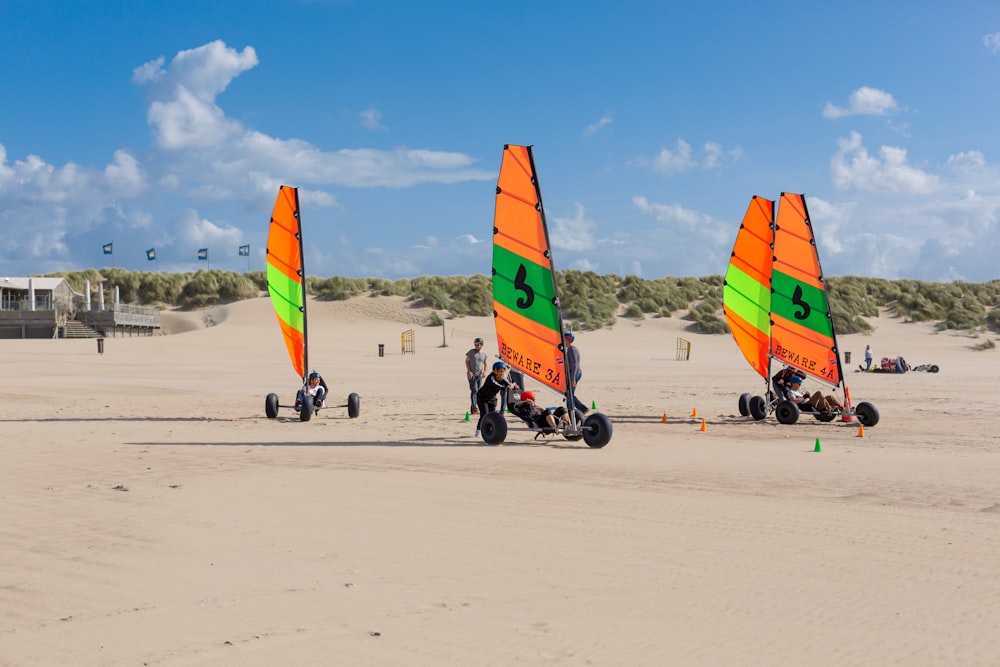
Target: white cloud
<point>681,158</point>
<point>853,167</point>
<point>594,128</point>
<point>864,101</point>
<point>992,42</point>
<point>371,119</point>
<point>575,233</point>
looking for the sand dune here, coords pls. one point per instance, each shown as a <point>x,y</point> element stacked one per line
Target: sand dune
<point>153,515</point>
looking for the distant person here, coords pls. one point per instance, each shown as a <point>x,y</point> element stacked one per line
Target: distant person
<point>486,397</point>
<point>573,370</point>
<point>475,370</point>
<point>868,357</point>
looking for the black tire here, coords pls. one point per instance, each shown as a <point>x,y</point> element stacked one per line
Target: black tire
<point>353,405</point>
<point>493,428</point>
<point>271,406</point>
<point>867,414</point>
<point>745,404</point>
<point>306,410</point>
<point>597,430</point>
<point>826,416</point>
<point>787,412</point>
<point>933,368</point>
<point>757,407</point>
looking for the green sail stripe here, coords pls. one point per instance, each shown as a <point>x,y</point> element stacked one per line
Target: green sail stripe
<point>814,300</point>
<point>748,298</point>
<point>538,290</point>
<point>286,297</point>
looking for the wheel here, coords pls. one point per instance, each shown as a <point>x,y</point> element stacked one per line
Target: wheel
<point>787,412</point>
<point>757,407</point>
<point>597,430</point>
<point>745,404</point>
<point>867,414</point>
<point>306,411</point>
<point>353,405</point>
<point>933,368</point>
<point>494,428</point>
<point>271,406</point>
<point>825,416</point>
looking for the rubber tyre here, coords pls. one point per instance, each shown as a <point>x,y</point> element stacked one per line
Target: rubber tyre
<point>825,416</point>
<point>933,368</point>
<point>787,412</point>
<point>597,430</point>
<point>579,420</point>
<point>867,414</point>
<point>757,407</point>
<point>494,428</point>
<point>306,410</point>
<point>271,406</point>
<point>353,405</point>
<point>745,404</point>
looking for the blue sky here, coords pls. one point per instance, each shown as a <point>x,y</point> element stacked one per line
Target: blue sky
<point>172,124</point>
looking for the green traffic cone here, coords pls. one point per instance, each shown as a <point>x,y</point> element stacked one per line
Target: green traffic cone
<point>467,416</point>
<point>593,405</point>
<point>817,448</point>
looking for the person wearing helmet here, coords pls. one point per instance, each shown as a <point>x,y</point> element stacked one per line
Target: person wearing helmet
<point>486,397</point>
<point>534,416</point>
<point>315,387</point>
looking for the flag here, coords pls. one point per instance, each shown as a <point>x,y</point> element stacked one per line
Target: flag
<point>244,251</point>
<point>109,248</point>
<point>203,253</point>
<point>151,254</point>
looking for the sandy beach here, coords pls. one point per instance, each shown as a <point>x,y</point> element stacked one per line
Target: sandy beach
<point>152,514</point>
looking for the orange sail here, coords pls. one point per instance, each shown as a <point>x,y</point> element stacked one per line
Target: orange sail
<point>746,292</point>
<point>802,332</point>
<point>525,305</point>
<point>286,276</point>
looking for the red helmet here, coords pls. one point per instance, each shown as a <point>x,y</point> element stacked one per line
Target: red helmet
<point>527,395</point>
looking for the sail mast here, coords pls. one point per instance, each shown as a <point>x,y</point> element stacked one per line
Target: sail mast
<point>302,272</point>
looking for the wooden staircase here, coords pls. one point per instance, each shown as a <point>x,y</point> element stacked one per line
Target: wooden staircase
<point>76,329</point>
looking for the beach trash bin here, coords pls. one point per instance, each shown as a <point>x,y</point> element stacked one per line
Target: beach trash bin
<point>847,357</point>
<point>100,346</point>
<point>381,349</point>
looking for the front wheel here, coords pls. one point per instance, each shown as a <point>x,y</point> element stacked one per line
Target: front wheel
<point>787,412</point>
<point>271,406</point>
<point>494,428</point>
<point>306,410</point>
<point>597,430</point>
<point>353,406</point>
<point>867,414</point>
<point>744,404</point>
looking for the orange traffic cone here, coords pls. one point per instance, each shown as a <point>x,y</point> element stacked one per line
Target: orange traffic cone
<point>664,419</point>
<point>694,412</point>
<point>861,430</point>
<point>703,429</point>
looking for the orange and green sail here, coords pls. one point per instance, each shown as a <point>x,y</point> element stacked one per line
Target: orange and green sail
<point>802,333</point>
<point>746,292</point>
<point>286,275</point>
<point>525,305</point>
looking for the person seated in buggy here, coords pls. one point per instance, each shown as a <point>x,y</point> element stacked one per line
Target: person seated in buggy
<point>539,418</point>
<point>316,387</point>
<point>817,402</point>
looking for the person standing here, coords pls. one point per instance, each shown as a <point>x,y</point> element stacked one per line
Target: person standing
<point>573,371</point>
<point>486,397</point>
<point>475,370</point>
<point>868,357</point>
